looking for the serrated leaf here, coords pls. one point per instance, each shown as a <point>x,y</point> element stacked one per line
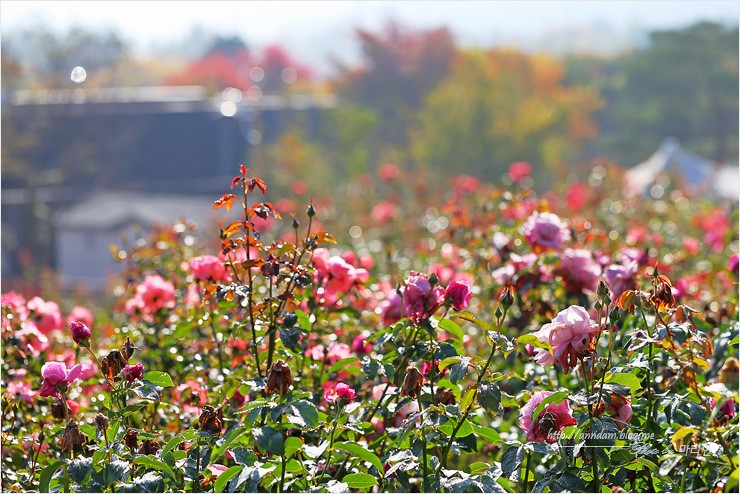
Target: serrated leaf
<point>490,397</point>
<point>79,469</point>
<point>531,339</point>
<point>146,390</point>
<point>161,379</point>
<point>292,444</point>
<point>342,363</point>
<point>359,480</point>
<point>625,379</point>
<point>467,399</point>
<point>362,453</point>
<point>511,460</point>
<point>227,441</point>
<point>307,412</point>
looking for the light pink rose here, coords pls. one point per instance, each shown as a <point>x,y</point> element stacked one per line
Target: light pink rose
<point>551,420</point>
<point>546,230</point>
<point>578,270</point>
<point>569,335</point>
<point>153,294</point>
<point>56,374</point>
<point>420,298</point>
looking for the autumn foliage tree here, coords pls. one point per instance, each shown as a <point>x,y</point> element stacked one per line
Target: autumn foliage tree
<point>498,106</point>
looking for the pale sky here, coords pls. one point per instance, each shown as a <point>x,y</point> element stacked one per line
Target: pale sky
<point>313,27</point>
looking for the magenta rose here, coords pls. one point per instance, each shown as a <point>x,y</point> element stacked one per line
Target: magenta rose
<point>551,420</point>
<point>56,375</point>
<point>420,298</point>
<point>80,331</point>
<point>391,309</point>
<point>546,230</point>
<point>133,372</point>
<point>578,270</point>
<point>569,336</point>
<point>458,292</point>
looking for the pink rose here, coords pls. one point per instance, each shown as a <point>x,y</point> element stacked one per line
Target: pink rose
<point>569,336</point>
<point>384,212</point>
<point>551,420</point>
<point>339,391</point>
<point>80,331</point>
<point>546,230</point>
<point>56,374</point>
<point>360,345</point>
<point>578,270</point>
<point>20,390</point>
<point>153,294</point>
<point>619,408</point>
<point>46,315</point>
<point>390,309</point>
<point>421,299</point>
<point>208,268</point>
<point>458,291</point>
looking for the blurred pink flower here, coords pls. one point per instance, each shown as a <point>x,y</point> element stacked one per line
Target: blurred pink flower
<point>20,390</point>
<point>519,170</point>
<point>390,308</point>
<point>621,277</point>
<point>333,353</point>
<point>569,336</point>
<point>16,302</point>
<point>421,299</point>
<point>546,230</point>
<point>209,268</point>
<point>619,408</point>
<point>576,196</point>
<point>389,172</point>
<point>360,345</point>
<point>578,270</point>
<point>551,420</point>
<point>733,264</point>
<point>46,315</point>
<point>32,340</point>
<point>81,314</point>
<point>56,374</point>
<point>384,212</point>
<point>459,293</point>
<point>153,294</point>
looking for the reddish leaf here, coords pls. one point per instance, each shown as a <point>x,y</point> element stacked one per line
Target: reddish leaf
<point>262,185</point>
<point>224,201</point>
<point>235,181</point>
<point>322,236</point>
<point>243,170</point>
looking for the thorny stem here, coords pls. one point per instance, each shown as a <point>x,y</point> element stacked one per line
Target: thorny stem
<point>331,441</point>
<point>526,471</point>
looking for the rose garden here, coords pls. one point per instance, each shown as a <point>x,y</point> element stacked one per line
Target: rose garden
<point>471,338</point>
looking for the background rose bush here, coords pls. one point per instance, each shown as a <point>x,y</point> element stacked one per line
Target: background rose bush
<point>482,340</point>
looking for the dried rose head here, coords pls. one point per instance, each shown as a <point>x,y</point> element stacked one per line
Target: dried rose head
<point>279,379</point>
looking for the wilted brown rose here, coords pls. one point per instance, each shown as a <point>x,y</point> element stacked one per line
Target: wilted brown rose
<point>412,383</point>
<point>730,373</point>
<point>444,396</point>
<point>112,364</point>
<point>131,439</point>
<point>211,419</point>
<point>127,349</point>
<point>279,378</point>
<point>662,297</point>
<point>72,438</point>
<point>59,410</point>
<point>148,447</point>
<point>101,422</point>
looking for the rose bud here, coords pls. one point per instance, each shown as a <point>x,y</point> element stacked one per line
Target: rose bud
<point>101,422</point>
<point>80,333</point>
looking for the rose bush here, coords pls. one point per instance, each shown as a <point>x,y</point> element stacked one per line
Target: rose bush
<point>506,341</point>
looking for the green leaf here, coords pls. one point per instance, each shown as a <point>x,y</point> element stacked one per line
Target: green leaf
<point>490,397</point>
<point>152,462</point>
<point>308,412</point>
<point>468,316</point>
<point>342,363</point>
<point>486,433</point>
<point>449,361</point>
<point>531,339</point>
<point>452,327</point>
<point>359,480</point>
<point>467,399</point>
<point>459,370</point>
<point>362,453</point>
<point>147,391</point>
<point>303,320</point>
<point>158,378</point>
<point>292,444</point>
<point>270,440</point>
<point>47,473</point>
<point>172,443</point>
<point>625,379</point>
<point>511,460</point>
<point>223,479</point>
<point>465,429</point>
